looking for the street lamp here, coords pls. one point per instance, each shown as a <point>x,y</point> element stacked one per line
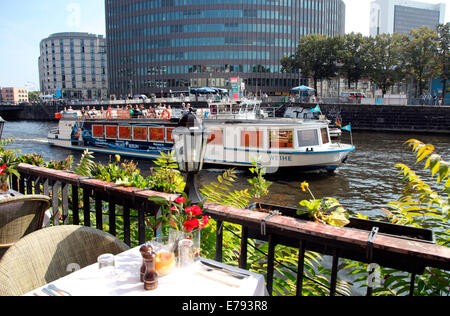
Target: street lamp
<point>190,141</point>
<point>2,124</point>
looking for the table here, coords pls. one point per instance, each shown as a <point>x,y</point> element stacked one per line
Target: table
<point>193,281</point>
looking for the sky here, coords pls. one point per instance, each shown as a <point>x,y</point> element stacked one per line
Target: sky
<point>24,23</point>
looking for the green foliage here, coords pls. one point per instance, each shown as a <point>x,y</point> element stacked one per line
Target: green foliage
<point>32,159</point>
<point>316,57</point>
<point>221,192</point>
<point>420,53</point>
<point>352,55</point>
<point>166,178</point>
<point>385,60</point>
<point>86,165</point>
<point>260,186</point>
<point>61,164</point>
<point>8,159</point>
<point>326,211</point>
<point>420,206</point>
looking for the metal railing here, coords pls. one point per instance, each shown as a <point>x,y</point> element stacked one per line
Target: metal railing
<point>87,198</point>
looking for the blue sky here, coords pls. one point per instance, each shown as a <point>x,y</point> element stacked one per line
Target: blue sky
<point>24,23</point>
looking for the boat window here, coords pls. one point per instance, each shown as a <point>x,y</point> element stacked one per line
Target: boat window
<point>97,131</point>
<point>281,139</point>
<point>111,131</point>
<point>156,134</point>
<point>125,132</point>
<point>325,138</point>
<point>216,137</point>
<point>140,133</point>
<point>252,139</point>
<point>308,138</point>
<point>169,138</point>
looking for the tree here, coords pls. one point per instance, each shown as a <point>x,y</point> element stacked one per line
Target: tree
<point>352,55</point>
<point>315,57</point>
<point>443,38</point>
<point>384,60</point>
<point>420,51</point>
<point>33,96</point>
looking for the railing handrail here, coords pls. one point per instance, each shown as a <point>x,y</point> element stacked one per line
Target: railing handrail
<point>339,242</point>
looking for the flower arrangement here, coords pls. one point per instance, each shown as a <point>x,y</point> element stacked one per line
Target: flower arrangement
<point>8,163</point>
<point>181,215</point>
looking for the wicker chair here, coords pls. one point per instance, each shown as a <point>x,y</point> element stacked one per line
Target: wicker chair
<point>20,216</point>
<point>46,255</point>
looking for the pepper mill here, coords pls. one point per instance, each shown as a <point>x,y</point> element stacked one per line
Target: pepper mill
<point>150,276</point>
<point>144,249</point>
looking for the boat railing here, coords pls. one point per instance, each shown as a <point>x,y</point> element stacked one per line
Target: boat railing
<point>128,213</point>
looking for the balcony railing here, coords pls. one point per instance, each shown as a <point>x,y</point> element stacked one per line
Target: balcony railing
<point>388,251</point>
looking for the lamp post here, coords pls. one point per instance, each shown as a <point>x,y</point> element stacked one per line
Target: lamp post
<point>190,141</point>
<point>2,124</point>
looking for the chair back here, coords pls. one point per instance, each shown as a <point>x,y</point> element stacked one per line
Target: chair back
<point>20,216</point>
<point>50,254</point>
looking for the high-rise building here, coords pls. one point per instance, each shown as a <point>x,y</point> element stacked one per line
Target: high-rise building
<point>74,66</point>
<point>157,46</point>
<point>401,16</point>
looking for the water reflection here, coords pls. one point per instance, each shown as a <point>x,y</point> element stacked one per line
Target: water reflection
<point>365,184</point>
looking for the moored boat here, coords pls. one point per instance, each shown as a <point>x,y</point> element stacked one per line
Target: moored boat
<point>276,143</point>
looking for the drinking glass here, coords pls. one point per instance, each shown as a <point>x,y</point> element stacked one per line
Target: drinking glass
<point>186,254</point>
<point>106,264</point>
<point>165,255</point>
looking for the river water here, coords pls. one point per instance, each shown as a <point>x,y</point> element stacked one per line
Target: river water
<point>365,184</point>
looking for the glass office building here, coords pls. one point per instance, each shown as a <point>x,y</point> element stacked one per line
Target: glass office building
<point>158,46</point>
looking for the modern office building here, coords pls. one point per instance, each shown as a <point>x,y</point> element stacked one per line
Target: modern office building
<point>401,16</point>
<point>14,95</point>
<point>159,46</point>
<point>74,66</point>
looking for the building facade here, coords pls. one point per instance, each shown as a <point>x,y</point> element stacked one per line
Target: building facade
<point>14,95</point>
<point>158,46</point>
<point>74,66</point>
<point>401,16</point>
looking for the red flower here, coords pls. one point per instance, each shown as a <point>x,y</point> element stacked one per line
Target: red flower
<point>194,210</point>
<point>205,222</point>
<point>191,224</point>
<point>174,208</point>
<point>180,200</point>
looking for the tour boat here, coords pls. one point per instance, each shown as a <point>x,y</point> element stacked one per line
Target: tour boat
<point>279,143</point>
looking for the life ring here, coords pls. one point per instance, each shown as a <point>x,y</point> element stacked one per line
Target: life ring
<point>166,115</point>
<point>109,114</point>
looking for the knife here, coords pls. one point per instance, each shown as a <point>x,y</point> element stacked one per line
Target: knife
<point>225,270</point>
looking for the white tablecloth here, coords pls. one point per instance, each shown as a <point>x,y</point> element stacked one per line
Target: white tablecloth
<point>192,281</point>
